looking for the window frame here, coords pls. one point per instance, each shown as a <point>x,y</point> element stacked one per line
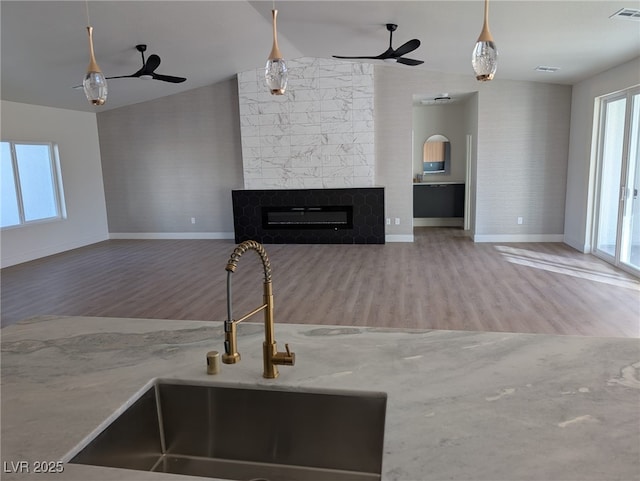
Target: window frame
<point>56,181</point>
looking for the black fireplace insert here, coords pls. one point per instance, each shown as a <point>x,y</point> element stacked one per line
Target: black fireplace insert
<point>309,217</point>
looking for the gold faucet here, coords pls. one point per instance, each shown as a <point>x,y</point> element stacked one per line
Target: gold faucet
<point>270,355</point>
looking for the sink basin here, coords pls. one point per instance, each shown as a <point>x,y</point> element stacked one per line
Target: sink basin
<point>245,433</point>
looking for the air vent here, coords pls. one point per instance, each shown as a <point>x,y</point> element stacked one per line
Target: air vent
<point>545,68</point>
<point>628,13</point>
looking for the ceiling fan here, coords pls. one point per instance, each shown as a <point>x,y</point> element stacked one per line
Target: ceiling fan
<point>391,55</point>
<point>148,69</point>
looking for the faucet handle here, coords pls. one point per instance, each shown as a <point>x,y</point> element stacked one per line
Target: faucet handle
<point>287,358</point>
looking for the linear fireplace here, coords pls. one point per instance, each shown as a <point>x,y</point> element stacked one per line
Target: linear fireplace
<point>310,216</point>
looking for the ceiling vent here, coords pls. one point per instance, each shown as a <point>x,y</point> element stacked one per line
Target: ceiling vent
<point>545,68</point>
<point>628,13</point>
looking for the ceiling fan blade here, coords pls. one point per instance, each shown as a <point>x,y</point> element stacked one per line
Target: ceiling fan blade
<point>168,78</point>
<point>407,47</point>
<point>388,53</point>
<point>151,64</point>
<point>370,58</point>
<point>409,61</point>
<point>138,74</point>
<point>124,76</point>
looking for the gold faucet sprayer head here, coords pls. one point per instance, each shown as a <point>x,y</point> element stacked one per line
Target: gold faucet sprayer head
<point>231,354</point>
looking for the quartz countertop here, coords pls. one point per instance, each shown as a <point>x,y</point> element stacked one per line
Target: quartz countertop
<point>461,405</point>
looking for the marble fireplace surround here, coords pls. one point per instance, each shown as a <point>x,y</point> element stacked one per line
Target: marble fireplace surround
<point>320,134</point>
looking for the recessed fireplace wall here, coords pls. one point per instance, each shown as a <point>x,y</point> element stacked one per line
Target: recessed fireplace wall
<point>310,216</point>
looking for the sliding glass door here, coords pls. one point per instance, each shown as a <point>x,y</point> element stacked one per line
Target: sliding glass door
<point>617,235</point>
<point>630,237</point>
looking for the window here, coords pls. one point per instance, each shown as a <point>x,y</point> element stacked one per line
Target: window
<point>30,183</point>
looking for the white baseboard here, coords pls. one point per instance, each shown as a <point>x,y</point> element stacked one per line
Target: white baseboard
<point>215,235</point>
<point>518,238</point>
<point>398,238</point>
<point>171,235</point>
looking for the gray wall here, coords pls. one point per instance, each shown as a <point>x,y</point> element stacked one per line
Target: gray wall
<point>168,160</point>
<point>523,142</point>
<point>76,134</point>
<point>521,151</point>
<point>171,159</point>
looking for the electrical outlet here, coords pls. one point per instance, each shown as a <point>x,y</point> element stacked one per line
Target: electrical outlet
<point>388,221</point>
<point>520,220</point>
<point>397,220</point>
<point>193,220</point>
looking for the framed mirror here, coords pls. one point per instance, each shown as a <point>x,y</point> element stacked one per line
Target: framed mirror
<point>436,154</point>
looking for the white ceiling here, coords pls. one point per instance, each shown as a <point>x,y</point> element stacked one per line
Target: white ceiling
<point>44,47</point>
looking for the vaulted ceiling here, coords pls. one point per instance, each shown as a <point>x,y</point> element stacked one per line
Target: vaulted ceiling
<point>44,46</point>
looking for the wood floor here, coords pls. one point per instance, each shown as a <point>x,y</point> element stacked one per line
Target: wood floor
<point>441,281</point>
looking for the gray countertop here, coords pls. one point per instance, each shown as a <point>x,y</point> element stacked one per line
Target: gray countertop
<point>461,405</point>
<point>435,182</point>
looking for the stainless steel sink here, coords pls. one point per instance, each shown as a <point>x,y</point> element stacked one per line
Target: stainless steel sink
<point>245,433</point>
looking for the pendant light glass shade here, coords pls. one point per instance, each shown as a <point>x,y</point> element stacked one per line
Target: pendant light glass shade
<point>275,72</point>
<point>94,83</point>
<point>485,60</point>
<point>485,54</point>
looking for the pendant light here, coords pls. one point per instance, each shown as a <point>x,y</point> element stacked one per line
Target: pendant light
<point>94,83</point>
<point>485,53</point>
<point>275,72</point>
